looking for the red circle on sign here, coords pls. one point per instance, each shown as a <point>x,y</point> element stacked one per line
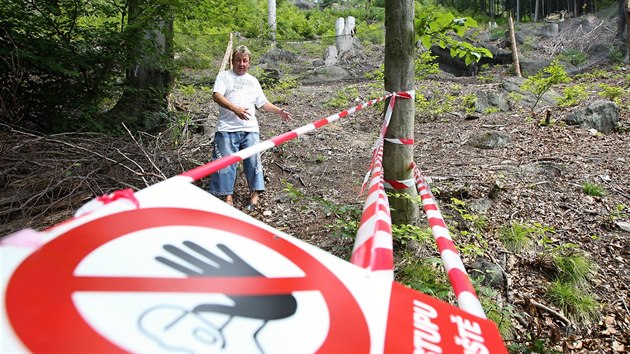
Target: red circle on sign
<point>39,294</point>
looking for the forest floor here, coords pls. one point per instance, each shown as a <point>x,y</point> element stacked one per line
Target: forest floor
<point>315,180</point>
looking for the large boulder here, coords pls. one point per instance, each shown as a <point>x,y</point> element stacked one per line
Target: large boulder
<point>304,4</point>
<point>600,115</point>
<point>329,73</point>
<point>489,139</point>
<point>277,55</point>
<point>491,100</point>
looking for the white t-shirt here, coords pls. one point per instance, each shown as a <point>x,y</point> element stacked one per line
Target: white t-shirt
<point>243,90</point>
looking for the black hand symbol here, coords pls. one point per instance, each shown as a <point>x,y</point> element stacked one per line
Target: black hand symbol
<point>264,307</point>
<point>216,267</point>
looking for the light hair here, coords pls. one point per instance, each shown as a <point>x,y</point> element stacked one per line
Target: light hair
<point>241,50</point>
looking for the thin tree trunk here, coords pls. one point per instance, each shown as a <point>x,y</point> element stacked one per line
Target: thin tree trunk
<point>272,21</point>
<point>399,76</point>
<point>536,10</point>
<point>517,64</point>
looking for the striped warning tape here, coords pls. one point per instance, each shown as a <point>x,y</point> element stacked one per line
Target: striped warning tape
<point>373,246</point>
<point>212,167</point>
<point>464,291</point>
<point>399,184</point>
<point>401,141</point>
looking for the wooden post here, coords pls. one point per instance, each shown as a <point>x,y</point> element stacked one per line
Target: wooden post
<point>517,64</point>
<point>227,57</point>
<point>399,76</point>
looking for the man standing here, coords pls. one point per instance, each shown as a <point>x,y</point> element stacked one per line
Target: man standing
<point>239,95</point>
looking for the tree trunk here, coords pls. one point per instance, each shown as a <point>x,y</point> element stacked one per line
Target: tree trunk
<point>517,64</point>
<point>271,4</point>
<point>147,83</point>
<point>399,76</point>
<point>518,11</point>
<point>536,10</point>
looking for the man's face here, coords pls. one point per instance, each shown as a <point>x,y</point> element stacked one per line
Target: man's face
<point>240,63</point>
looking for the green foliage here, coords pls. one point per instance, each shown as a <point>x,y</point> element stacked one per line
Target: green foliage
<point>59,60</point>
<point>619,212</point>
<point>424,65</point>
<point>545,79</point>
<point>517,236</point>
<point>592,189</point>
<point>402,234</point>
<point>612,93</point>
<point>501,315</point>
<point>616,55</point>
<point>347,217</point>
<point>537,345</point>
<point>470,102</point>
<point>573,268</point>
<point>376,74</point>
<point>342,98</point>
<point>573,302</point>
<point>282,90</point>
<point>474,243</point>
<point>573,95</point>
<point>425,275</point>
<point>573,56</point>
<point>438,105</point>
<point>434,26</point>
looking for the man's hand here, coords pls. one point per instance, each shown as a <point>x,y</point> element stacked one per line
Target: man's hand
<point>241,112</point>
<point>286,115</point>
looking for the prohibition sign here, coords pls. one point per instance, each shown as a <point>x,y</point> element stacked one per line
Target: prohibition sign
<point>39,294</point>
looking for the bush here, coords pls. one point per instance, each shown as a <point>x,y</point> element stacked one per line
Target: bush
<point>573,56</point>
<point>573,95</point>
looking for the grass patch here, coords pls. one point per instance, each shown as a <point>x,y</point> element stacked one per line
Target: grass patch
<point>573,302</point>
<point>592,189</point>
<point>573,268</point>
<point>515,237</point>
<point>425,275</point>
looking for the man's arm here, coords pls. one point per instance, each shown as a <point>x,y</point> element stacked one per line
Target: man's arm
<point>240,112</point>
<point>270,107</point>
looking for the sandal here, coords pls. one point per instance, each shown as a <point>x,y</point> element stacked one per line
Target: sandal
<point>251,207</point>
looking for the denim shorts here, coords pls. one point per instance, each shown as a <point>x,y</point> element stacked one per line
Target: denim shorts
<point>226,143</point>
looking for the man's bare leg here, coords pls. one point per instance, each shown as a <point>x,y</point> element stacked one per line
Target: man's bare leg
<point>229,200</point>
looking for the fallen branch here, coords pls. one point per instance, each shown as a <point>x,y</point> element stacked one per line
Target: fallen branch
<point>540,306</point>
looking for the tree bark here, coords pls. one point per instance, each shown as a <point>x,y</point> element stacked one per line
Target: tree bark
<point>271,7</point>
<point>399,76</point>
<point>517,64</point>
<point>147,83</point>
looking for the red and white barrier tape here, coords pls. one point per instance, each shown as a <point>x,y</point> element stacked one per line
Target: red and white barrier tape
<point>373,246</point>
<point>214,166</point>
<point>400,184</point>
<point>401,141</point>
<point>462,286</point>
